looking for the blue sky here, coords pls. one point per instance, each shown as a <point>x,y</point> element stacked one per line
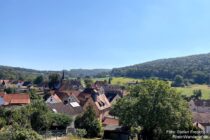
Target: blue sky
<point>67,34</point>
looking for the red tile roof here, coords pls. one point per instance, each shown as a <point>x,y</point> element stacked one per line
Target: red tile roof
<point>2,94</point>
<point>55,96</point>
<point>16,98</point>
<point>111,121</point>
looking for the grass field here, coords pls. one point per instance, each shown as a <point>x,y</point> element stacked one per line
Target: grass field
<point>117,80</point>
<point>123,80</point>
<point>188,91</point>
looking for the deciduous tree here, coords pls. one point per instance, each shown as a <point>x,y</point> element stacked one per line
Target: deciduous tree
<point>155,107</point>
<point>89,122</point>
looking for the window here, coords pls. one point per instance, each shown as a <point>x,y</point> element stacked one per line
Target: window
<point>74,104</point>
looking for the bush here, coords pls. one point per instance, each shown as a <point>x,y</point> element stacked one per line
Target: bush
<point>81,132</point>
<point>25,134</point>
<point>19,134</point>
<point>2,122</point>
<point>60,120</point>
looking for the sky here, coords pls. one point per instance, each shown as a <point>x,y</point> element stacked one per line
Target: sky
<point>69,34</point>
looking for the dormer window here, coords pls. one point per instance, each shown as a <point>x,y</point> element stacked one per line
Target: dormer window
<point>65,102</point>
<point>101,103</point>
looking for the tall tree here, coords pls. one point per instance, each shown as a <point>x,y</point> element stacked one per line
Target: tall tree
<point>178,81</point>
<point>155,107</point>
<point>89,122</point>
<point>197,94</point>
<point>38,80</point>
<point>53,79</point>
<point>88,82</point>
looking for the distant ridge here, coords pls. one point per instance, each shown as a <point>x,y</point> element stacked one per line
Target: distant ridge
<point>8,72</point>
<point>194,69</point>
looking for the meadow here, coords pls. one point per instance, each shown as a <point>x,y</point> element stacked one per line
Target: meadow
<point>118,80</point>
<point>188,91</point>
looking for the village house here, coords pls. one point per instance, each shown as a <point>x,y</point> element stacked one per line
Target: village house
<point>97,100</point>
<point>201,114</point>
<point>72,109</point>
<point>200,105</point>
<point>202,120</point>
<point>53,99</point>
<point>4,84</point>
<point>65,97</point>
<point>112,92</point>
<point>73,84</point>
<point>70,96</point>
<point>16,99</point>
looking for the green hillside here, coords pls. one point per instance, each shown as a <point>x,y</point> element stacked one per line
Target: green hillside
<point>194,69</point>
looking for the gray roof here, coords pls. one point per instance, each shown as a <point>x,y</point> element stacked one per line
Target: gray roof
<point>67,109</point>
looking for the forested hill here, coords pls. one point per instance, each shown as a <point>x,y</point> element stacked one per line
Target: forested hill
<point>88,72</point>
<point>195,69</point>
<point>7,72</point>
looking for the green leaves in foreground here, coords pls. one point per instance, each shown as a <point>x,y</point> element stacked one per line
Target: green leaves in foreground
<point>155,107</point>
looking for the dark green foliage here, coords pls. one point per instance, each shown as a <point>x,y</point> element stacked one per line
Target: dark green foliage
<point>60,120</point>
<point>33,95</point>
<point>187,98</point>
<point>197,94</point>
<point>38,80</point>
<point>39,105</point>
<point>2,122</point>
<point>10,90</point>
<point>195,69</point>
<point>90,123</point>
<point>178,81</point>
<point>36,116</point>
<point>110,80</point>
<point>41,121</point>
<point>88,82</point>
<point>19,134</point>
<point>25,134</point>
<point>81,132</point>
<point>54,79</point>
<point>154,107</point>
